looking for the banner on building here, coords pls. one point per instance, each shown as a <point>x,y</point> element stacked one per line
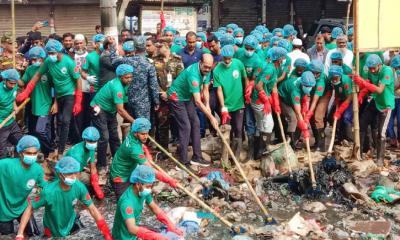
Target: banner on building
<point>184,19</point>
<point>377,24</point>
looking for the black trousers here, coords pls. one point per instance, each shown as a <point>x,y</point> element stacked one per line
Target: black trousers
<point>65,106</point>
<point>378,121</point>
<point>237,123</point>
<point>10,134</point>
<point>120,188</point>
<point>188,124</point>
<point>107,125</point>
<point>30,230</point>
<point>42,130</point>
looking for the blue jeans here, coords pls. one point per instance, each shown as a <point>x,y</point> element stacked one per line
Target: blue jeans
<point>395,114</point>
<point>43,133</point>
<point>203,122</point>
<point>348,115</point>
<point>250,124</point>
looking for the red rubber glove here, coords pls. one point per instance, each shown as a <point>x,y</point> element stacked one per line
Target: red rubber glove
<point>78,102</point>
<point>248,91</point>
<point>361,95</point>
<point>364,84</point>
<point>19,237</point>
<point>166,179</point>
<point>162,217</point>
<point>274,99</point>
<point>305,105</point>
<point>341,109</point>
<point>94,180</point>
<point>225,117</point>
<point>102,226</point>
<point>27,91</point>
<point>302,125</point>
<point>146,234</point>
<point>262,96</point>
<point>308,116</point>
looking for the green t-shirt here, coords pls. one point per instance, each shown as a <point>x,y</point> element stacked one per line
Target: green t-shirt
<point>290,93</point>
<point>63,73</point>
<point>129,206</point>
<point>188,82</point>
<point>321,85</point>
<point>127,157</point>
<point>175,48</point>
<point>268,76</point>
<point>41,95</point>
<point>385,99</point>
<point>80,153</point>
<point>92,66</point>
<point>363,71</point>
<point>231,81</point>
<point>111,94</point>
<point>252,64</point>
<point>7,98</point>
<point>330,46</point>
<point>59,213</point>
<point>344,88</point>
<point>16,183</point>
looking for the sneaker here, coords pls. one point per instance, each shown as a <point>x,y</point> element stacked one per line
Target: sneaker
<point>200,162</point>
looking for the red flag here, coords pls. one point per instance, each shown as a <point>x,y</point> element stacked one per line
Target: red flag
<point>162,19</point>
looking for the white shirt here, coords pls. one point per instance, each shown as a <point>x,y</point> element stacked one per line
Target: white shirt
<point>296,54</point>
<point>347,59</point>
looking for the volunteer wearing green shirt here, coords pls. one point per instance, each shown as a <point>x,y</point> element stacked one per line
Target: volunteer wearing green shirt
<point>59,199</point>
<point>291,93</point>
<point>201,39</point>
<point>284,70</point>
<point>84,152</point>
<point>253,64</point>
<point>108,101</point>
<point>18,176</point>
<point>90,77</point>
<point>130,207</point>
<point>184,93</point>
<point>264,95</point>
<point>67,85</point>
<point>42,102</point>
<point>319,103</point>
<point>300,65</point>
<point>381,86</point>
<point>133,152</point>
<point>10,131</point>
<point>229,78</point>
<point>343,96</point>
<point>337,59</point>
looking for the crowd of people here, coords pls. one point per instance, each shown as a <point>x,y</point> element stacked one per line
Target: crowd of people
<point>177,89</point>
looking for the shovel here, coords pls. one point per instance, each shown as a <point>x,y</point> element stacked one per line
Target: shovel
<point>293,184</point>
<point>236,229</point>
<point>269,220</point>
<point>329,162</point>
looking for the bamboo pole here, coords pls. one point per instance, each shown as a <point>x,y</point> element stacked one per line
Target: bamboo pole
<point>356,121</point>
<point>13,31</point>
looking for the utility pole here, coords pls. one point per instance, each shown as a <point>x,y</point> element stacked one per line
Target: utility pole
<point>264,12</point>
<point>215,14</point>
<point>109,18</point>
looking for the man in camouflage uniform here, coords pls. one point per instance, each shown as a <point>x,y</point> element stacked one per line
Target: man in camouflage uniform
<point>6,57</point>
<point>168,66</point>
<point>143,92</point>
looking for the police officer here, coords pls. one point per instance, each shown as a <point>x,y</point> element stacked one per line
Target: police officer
<point>143,92</point>
<point>168,66</point>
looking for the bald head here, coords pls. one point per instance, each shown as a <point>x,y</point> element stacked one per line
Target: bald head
<point>206,63</point>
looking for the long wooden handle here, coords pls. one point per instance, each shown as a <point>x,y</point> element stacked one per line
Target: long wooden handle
<point>332,137</point>
<point>19,108</point>
<point>242,173</point>
<point>314,183</point>
<point>174,159</point>
<point>193,196</point>
<point>284,142</point>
